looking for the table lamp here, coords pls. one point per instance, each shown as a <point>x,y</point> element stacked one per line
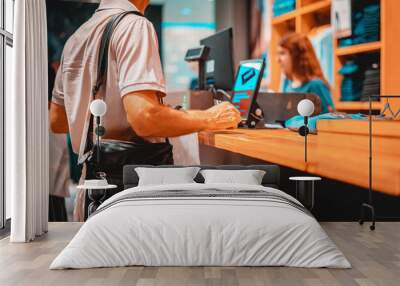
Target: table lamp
<point>305,108</point>
<point>98,108</point>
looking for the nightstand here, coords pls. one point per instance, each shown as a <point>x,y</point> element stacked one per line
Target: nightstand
<point>305,190</point>
<point>96,196</point>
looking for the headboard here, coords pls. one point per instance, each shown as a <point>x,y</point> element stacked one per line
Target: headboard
<point>271,177</point>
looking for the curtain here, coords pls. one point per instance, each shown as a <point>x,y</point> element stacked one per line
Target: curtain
<point>27,122</point>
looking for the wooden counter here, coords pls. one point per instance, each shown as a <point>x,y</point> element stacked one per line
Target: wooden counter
<point>340,151</point>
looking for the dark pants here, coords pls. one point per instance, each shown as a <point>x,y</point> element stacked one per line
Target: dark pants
<point>57,210</point>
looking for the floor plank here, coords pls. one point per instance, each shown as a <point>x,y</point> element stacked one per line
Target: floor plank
<point>375,257</point>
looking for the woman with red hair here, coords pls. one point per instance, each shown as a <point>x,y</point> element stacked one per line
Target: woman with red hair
<point>301,67</point>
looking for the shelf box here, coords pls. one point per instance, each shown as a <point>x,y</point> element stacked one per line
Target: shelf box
<point>306,3</point>
<point>284,18</point>
<point>358,49</point>
<point>316,7</point>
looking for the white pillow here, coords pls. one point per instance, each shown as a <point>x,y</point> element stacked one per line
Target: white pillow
<point>248,177</point>
<point>166,176</point>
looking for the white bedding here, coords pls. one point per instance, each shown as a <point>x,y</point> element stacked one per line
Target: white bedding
<point>200,231</point>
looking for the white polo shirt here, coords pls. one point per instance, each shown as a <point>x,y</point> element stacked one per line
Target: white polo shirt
<point>134,65</point>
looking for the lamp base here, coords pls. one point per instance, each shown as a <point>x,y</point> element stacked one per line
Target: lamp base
<point>362,219</point>
<point>304,131</point>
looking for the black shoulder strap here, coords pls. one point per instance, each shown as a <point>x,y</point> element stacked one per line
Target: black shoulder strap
<point>102,66</point>
<point>102,63</point>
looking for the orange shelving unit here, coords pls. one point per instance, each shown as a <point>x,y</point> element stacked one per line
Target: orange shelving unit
<point>313,13</point>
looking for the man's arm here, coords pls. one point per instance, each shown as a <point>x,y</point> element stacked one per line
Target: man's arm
<point>149,118</point>
<point>58,119</point>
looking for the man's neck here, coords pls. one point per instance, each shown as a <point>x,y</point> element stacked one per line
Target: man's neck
<point>138,5</point>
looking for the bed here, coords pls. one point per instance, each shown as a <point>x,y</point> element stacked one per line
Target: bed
<point>197,224</point>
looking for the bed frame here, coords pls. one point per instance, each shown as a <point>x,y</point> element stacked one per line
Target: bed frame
<point>271,177</point>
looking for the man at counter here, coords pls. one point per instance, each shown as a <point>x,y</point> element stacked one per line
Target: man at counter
<point>135,84</point>
<point>133,91</point>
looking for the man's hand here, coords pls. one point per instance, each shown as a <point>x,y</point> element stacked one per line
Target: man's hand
<point>149,118</point>
<point>223,116</point>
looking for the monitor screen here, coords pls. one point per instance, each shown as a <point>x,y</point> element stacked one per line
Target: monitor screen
<point>246,86</point>
<point>219,64</point>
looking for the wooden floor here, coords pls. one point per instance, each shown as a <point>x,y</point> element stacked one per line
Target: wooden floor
<point>375,257</point>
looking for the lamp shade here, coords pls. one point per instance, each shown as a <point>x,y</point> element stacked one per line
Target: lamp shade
<point>98,107</point>
<point>305,107</point>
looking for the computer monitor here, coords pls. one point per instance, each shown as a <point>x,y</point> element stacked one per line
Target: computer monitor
<point>247,84</point>
<point>219,64</point>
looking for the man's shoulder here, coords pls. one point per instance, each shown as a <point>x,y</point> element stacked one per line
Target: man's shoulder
<point>132,20</point>
<point>85,33</point>
<point>80,35</point>
<point>132,25</point>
